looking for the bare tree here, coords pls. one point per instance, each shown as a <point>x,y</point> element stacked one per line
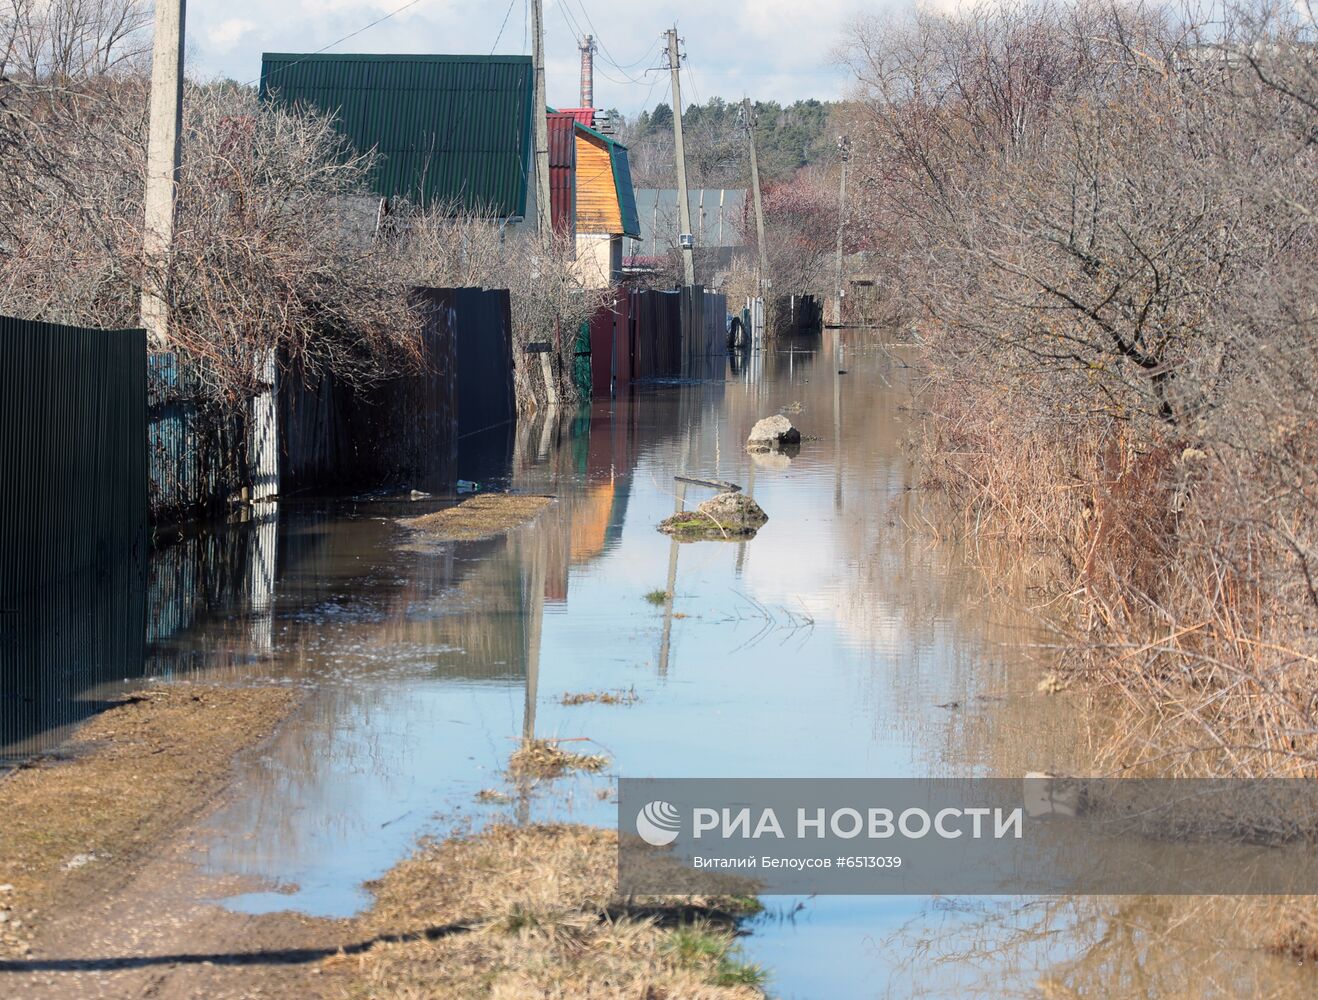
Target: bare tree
<point>1103,216</point>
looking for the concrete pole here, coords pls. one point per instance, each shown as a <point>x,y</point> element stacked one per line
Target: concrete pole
<point>755,192</point>
<point>683,206</point>
<point>844,151</point>
<point>162,165</point>
<point>544,216</point>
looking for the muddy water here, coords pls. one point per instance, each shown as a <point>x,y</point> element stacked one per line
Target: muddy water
<point>845,640</point>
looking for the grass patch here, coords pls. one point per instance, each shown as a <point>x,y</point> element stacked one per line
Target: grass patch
<point>657,597</point>
<point>620,697</point>
<point>534,911</point>
<point>710,949</point>
<point>483,516</point>
<point>546,759</point>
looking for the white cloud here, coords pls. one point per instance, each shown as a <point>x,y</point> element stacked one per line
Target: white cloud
<point>228,33</point>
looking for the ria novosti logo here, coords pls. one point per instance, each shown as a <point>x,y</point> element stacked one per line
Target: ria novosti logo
<point>658,823</point>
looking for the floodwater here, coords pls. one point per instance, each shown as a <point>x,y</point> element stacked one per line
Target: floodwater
<point>848,639</point>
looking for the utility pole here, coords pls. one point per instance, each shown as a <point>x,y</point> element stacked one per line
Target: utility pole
<point>844,153</point>
<point>588,72</point>
<point>544,216</point>
<point>685,239</point>
<point>755,190</point>
<point>162,165</point>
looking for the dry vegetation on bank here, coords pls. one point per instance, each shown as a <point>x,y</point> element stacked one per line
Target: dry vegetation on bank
<point>507,913</point>
<point>520,912</point>
<point>1103,216</point>
<point>76,829</point>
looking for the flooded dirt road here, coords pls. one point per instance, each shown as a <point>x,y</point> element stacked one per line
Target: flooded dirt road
<point>845,640</point>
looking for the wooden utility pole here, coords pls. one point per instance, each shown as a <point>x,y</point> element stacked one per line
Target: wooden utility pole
<point>686,240</point>
<point>755,193</point>
<point>844,153</point>
<point>162,164</point>
<point>544,215</point>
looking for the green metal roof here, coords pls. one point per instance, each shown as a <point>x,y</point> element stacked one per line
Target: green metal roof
<point>622,180</point>
<point>447,128</point>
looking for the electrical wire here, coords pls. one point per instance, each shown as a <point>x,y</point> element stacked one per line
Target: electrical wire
<point>507,14</point>
<point>339,41</point>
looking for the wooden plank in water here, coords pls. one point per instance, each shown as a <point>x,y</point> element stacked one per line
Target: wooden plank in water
<point>722,485</point>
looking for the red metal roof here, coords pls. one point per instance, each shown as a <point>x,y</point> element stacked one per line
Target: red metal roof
<point>584,115</point>
<point>562,171</point>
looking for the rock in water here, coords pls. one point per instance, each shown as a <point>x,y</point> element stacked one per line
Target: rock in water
<point>725,516</point>
<point>772,432</point>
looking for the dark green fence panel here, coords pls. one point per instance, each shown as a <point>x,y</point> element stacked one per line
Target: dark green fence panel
<point>73,538</point>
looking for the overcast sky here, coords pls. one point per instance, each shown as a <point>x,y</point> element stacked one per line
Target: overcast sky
<point>764,49</point>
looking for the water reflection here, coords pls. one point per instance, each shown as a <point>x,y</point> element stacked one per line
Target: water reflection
<point>845,640</point>
<point>65,649</point>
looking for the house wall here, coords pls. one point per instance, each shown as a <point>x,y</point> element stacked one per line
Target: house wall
<point>599,259</point>
<point>597,193</point>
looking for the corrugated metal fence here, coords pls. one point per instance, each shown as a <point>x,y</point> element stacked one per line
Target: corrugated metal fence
<point>405,429</point>
<point>72,467</point>
<point>650,333</point>
<point>197,451</point>
<point>73,539</point>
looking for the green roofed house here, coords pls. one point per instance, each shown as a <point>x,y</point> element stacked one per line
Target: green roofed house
<point>448,130</point>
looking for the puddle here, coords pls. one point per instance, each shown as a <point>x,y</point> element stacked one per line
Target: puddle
<point>833,644</point>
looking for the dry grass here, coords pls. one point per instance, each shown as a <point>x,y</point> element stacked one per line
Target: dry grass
<point>546,759</point>
<point>1160,577</point>
<point>533,912</point>
<point>142,769</point>
<point>620,697</point>
<point>484,516</point>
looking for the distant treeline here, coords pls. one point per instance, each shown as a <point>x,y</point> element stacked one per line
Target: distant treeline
<point>787,139</point>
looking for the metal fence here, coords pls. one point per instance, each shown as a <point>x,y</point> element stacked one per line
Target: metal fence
<point>650,333</point>
<point>73,539</point>
<point>406,429</point>
<point>197,450</point>
<point>72,472</point>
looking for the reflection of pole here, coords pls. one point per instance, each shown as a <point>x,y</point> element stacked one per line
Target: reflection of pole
<point>750,492</point>
<point>670,590</point>
<point>837,420</point>
<point>671,585</point>
<point>535,597</point>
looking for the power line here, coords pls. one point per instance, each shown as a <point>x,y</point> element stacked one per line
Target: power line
<point>507,14</point>
<point>351,34</point>
<point>604,47</point>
